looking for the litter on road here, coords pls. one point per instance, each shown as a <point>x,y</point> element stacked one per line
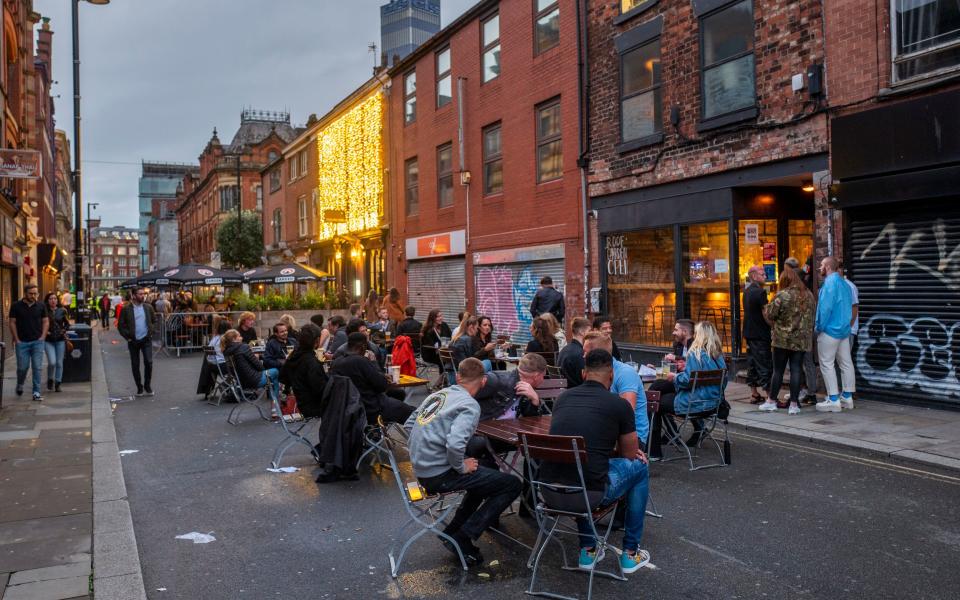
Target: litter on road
<point>198,538</point>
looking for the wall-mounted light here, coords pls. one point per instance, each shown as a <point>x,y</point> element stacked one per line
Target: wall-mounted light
<point>807,185</point>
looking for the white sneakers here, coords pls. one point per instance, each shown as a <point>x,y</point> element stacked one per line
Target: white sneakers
<point>793,410</point>
<point>828,405</point>
<point>768,406</point>
<point>846,402</point>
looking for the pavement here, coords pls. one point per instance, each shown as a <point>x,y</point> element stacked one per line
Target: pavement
<point>63,511</point>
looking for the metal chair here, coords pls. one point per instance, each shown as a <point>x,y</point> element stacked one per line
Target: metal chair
<point>708,419</point>
<point>549,390</point>
<point>554,372</point>
<point>222,384</point>
<point>292,430</point>
<point>653,405</point>
<point>373,438</point>
<point>558,501</point>
<point>245,397</point>
<point>427,512</point>
<point>446,359</point>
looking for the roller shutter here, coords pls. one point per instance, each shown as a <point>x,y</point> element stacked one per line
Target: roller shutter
<point>504,293</point>
<point>906,265</point>
<point>437,284</point>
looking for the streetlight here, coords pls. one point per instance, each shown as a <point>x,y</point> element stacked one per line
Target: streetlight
<point>77,181</point>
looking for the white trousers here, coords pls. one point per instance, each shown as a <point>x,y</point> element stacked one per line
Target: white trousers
<point>831,352</point>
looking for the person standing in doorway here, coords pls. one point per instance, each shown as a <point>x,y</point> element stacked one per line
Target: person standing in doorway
<point>28,327</point>
<point>548,299</point>
<point>136,324</point>
<point>834,315</point>
<point>756,331</point>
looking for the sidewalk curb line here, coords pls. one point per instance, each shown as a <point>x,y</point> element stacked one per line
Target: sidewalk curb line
<point>886,451</point>
<point>119,577</point>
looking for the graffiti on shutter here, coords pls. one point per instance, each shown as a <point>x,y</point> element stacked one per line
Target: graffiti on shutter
<point>505,292</point>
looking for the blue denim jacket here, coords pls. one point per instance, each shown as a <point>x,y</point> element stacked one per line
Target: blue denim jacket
<point>706,396</point>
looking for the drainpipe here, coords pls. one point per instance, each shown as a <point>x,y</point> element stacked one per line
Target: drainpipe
<point>464,178</point>
<point>583,133</point>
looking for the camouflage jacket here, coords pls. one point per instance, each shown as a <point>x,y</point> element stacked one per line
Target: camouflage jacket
<point>791,315</point>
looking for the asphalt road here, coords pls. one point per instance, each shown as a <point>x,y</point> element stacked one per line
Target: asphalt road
<point>789,519</point>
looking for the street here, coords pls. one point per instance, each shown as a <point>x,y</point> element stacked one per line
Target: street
<point>787,519</point>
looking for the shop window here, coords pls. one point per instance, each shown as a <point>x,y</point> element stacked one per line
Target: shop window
<point>726,60</point>
<point>757,245</point>
<point>706,276</point>
<point>800,244</point>
<point>641,288</point>
<point>927,37</point>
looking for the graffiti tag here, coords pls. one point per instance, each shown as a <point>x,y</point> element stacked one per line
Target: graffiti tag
<point>947,269</point>
<point>507,298</point>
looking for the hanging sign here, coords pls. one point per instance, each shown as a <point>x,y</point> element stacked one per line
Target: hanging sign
<point>20,164</point>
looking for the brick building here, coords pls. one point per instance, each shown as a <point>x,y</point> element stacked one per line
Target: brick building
<point>486,217</point>
<point>894,80</point>
<point>114,256</point>
<point>63,208</point>
<point>707,151</point>
<point>208,197</point>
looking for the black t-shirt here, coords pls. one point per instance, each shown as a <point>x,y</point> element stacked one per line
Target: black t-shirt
<point>601,417</point>
<point>29,320</point>
<point>755,327</point>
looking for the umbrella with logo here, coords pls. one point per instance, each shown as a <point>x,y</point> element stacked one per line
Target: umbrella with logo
<point>190,274</point>
<point>289,273</point>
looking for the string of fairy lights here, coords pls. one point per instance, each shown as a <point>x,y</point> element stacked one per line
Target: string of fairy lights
<point>350,170</point>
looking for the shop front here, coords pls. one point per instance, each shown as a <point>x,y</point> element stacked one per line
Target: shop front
<point>898,169</point>
<point>436,274</point>
<point>667,256</point>
<point>505,282</point>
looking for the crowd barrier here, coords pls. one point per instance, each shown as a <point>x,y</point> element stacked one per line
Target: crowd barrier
<point>186,332</point>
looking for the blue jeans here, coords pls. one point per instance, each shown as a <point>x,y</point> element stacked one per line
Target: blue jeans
<point>271,375</point>
<point>627,479</point>
<point>55,352</point>
<point>29,354</point>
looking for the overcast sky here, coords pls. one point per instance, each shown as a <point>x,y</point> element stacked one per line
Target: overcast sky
<point>158,75</point>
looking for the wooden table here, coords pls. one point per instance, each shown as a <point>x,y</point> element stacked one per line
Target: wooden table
<point>408,381</point>
<point>507,430</point>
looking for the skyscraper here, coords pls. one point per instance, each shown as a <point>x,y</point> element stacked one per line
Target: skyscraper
<point>405,24</point>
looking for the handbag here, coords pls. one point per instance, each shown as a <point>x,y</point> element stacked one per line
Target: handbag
<point>69,346</point>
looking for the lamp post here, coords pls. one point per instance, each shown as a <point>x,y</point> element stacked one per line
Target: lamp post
<point>77,179</point>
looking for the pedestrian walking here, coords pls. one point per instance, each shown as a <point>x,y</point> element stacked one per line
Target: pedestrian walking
<point>547,299</point>
<point>756,331</point>
<point>137,324</point>
<point>55,342</point>
<point>28,327</point>
<point>791,316</point>
<point>393,305</point>
<point>66,301</point>
<point>808,381</point>
<point>104,309</point>
<point>834,316</point>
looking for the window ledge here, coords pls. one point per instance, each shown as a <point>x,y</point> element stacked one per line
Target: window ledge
<point>913,85</point>
<point>494,197</point>
<point>633,12</point>
<point>638,143</point>
<point>745,114</point>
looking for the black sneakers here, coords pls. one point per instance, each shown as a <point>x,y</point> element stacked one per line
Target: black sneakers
<point>470,552</point>
<point>49,384</point>
<point>148,390</point>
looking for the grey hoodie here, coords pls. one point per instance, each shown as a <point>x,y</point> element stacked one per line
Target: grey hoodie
<point>439,431</point>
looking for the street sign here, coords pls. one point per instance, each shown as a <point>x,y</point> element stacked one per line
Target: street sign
<point>334,216</point>
<point>20,164</point>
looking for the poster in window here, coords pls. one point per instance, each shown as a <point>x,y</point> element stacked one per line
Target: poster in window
<point>769,251</point>
<point>751,232</point>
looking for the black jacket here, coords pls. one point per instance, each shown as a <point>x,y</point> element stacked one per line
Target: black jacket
<point>249,369</point>
<point>304,374</point>
<point>465,346</point>
<point>755,327</point>
<point>58,324</point>
<point>275,354</point>
<point>408,326</point>
<point>536,346</point>
<point>341,425</point>
<point>498,394</point>
<point>368,379</point>
<point>127,324</point>
<point>248,335</point>
<point>430,341</point>
<point>571,363</point>
<point>547,299</point>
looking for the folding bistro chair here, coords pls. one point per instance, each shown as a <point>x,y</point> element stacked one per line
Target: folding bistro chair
<point>292,431</point>
<point>427,512</point>
<point>549,390</point>
<point>554,372</point>
<point>557,501</point>
<point>245,397</point>
<point>708,418</point>
<point>446,359</point>
<point>373,439</point>
<point>653,405</point>
<point>221,384</point>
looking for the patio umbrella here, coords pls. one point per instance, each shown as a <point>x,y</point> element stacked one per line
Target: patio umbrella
<point>190,274</point>
<point>289,273</point>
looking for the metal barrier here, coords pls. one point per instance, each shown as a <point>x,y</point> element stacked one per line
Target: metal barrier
<point>187,332</point>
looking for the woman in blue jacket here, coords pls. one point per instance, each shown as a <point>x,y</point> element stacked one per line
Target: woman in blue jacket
<point>705,354</point>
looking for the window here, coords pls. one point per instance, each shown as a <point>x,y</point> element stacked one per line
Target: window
<point>641,288</point>
<point>492,161</point>
<point>121,250</point>
<point>546,25</point>
<point>628,5</point>
<point>549,144</point>
<point>445,176</point>
<point>133,250</point>
<point>272,156</point>
<point>122,262</point>
<point>302,216</point>
<point>107,262</point>
<point>412,186</point>
<point>277,231</point>
<point>292,165</point>
<point>927,37</point>
<point>228,197</point>
<point>726,60</point>
<point>107,250</point>
<point>275,179</point>
<point>706,275</point>
<point>410,97</point>
<point>444,79</point>
<point>641,106</point>
<point>491,48</point>
<point>303,162</point>
<point>259,191</point>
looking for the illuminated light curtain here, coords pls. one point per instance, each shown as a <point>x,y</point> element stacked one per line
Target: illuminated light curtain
<point>351,170</point>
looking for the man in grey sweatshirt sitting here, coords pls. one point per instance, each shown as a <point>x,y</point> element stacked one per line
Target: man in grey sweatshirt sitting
<point>439,431</point>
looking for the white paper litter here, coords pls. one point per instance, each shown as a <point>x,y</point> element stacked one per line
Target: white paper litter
<point>198,538</point>
<point>126,452</point>
<point>284,470</point>
<point>645,371</point>
<point>161,589</point>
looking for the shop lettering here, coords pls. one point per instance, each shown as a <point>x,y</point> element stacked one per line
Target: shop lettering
<point>947,267</point>
<point>923,354</point>
<point>616,256</point>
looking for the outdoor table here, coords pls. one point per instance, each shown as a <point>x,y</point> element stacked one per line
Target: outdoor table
<point>508,430</point>
<point>408,381</point>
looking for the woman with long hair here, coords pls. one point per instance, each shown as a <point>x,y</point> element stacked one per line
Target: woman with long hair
<point>303,373</point>
<point>371,305</point>
<point>465,343</point>
<point>556,329</point>
<point>434,330</point>
<point>543,341</point>
<point>790,314</point>
<point>55,343</point>
<point>393,305</point>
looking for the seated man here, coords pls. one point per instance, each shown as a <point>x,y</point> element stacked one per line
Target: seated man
<point>383,324</point>
<point>626,384</point>
<point>682,338</point>
<point>605,326</point>
<point>439,431</point>
<point>570,359</point>
<point>275,354</point>
<point>358,326</point>
<point>605,422</point>
<point>369,381</point>
<point>410,326</point>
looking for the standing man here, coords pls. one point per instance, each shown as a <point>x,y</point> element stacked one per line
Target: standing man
<point>834,316</point>
<point>104,310</point>
<point>548,299</point>
<point>570,359</point>
<point>28,327</point>
<point>756,331</point>
<point>136,324</point>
